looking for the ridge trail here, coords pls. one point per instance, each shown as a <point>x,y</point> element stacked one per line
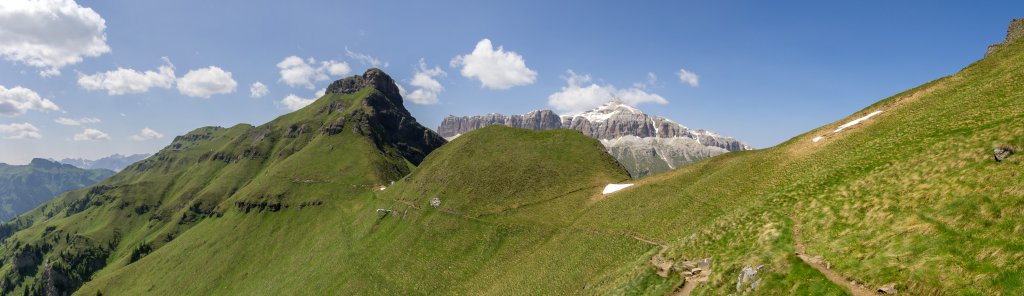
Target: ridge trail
<point>833,276</point>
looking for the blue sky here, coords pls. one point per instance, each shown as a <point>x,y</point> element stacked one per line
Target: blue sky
<point>767,71</point>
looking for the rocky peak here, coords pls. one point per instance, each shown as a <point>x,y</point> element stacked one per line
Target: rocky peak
<point>1013,33</point>
<point>44,163</point>
<point>608,110</point>
<point>387,121</point>
<point>373,77</point>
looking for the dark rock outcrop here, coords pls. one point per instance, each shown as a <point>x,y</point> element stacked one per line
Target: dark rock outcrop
<point>389,121</point>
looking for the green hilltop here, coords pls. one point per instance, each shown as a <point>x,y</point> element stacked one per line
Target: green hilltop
<point>351,196</point>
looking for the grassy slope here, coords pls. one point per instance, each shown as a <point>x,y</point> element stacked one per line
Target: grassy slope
<point>477,242</point>
<point>910,196</point>
<point>203,174</point>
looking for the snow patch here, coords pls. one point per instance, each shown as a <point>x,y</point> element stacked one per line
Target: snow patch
<point>848,124</point>
<point>614,187</point>
<point>856,121</point>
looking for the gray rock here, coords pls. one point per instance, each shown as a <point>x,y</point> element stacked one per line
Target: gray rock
<point>748,280</point>
<point>889,289</point>
<point>453,126</point>
<point>435,202</point>
<point>1001,153</point>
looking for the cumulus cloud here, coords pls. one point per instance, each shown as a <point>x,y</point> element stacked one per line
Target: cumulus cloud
<point>76,122</point>
<point>205,82</point>
<point>128,81</point>
<point>336,68</point>
<point>18,100</point>
<point>293,102</point>
<point>91,134</point>
<point>147,134</point>
<point>258,90</point>
<point>364,59</point>
<point>580,94</point>
<point>427,88</point>
<point>688,78</point>
<point>20,131</point>
<point>297,72</point>
<point>50,34</point>
<point>495,68</point>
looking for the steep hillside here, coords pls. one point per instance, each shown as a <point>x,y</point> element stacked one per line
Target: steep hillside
<point>492,237</point>
<point>905,194</point>
<point>24,187</point>
<point>356,137</point>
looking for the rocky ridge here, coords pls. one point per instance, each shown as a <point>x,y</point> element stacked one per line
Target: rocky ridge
<point>645,144</point>
<point>1013,32</point>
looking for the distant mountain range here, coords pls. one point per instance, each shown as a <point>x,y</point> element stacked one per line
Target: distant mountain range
<point>644,144</point>
<point>116,162</point>
<point>24,187</point>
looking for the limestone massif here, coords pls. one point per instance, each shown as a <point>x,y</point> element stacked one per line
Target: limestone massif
<point>644,144</point>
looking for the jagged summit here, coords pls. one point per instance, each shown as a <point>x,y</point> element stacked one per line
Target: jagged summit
<point>380,114</point>
<point>607,110</point>
<point>373,77</point>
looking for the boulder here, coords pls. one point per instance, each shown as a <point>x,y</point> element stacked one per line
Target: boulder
<point>889,289</point>
<point>1002,152</point>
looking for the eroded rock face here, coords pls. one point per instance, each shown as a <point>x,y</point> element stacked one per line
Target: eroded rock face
<point>537,120</point>
<point>645,144</point>
<point>389,121</point>
<point>647,156</point>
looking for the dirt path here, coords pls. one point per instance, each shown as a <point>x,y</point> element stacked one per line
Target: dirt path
<point>819,264</point>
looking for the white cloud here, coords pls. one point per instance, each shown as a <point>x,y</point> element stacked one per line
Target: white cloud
<point>578,96</point>
<point>297,72</point>
<point>688,78</point>
<point>91,134</point>
<point>401,90</point>
<point>293,102</point>
<point>427,88</point>
<point>76,122</point>
<point>18,100</point>
<point>258,90</point>
<point>496,69</point>
<point>147,134</point>
<point>50,34</point>
<point>364,59</point>
<point>128,81</point>
<point>205,82</point>
<point>336,68</point>
<point>320,93</point>
<point>20,131</point>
